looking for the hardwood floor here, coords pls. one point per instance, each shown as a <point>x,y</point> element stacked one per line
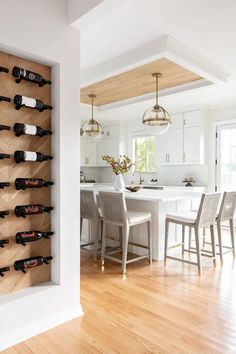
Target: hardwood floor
<point>153,310</point>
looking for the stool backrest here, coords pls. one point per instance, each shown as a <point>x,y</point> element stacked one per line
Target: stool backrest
<point>228,206</point>
<point>208,209</point>
<point>88,205</point>
<point>113,208</point>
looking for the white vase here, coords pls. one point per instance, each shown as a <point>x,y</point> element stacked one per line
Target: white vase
<point>119,184</point>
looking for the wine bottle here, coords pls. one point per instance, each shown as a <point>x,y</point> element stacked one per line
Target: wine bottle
<point>4,127</point>
<point>24,74</point>
<point>31,262</point>
<point>3,270</point>
<point>28,129</point>
<point>31,236</point>
<point>32,209</point>
<point>23,183</point>
<point>3,69</point>
<point>3,243</point>
<point>21,101</point>
<point>4,184</point>
<point>5,99</point>
<point>22,156</point>
<point>4,213</point>
<point>4,156</point>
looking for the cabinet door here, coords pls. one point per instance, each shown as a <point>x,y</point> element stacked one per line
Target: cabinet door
<point>192,145</point>
<point>107,147</point>
<point>177,121</point>
<point>87,153</point>
<point>192,119</point>
<point>169,148</point>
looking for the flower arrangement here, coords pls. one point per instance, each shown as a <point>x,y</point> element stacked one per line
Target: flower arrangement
<point>120,165</point>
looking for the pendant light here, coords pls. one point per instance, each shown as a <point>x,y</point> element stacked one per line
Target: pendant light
<point>156,118</point>
<point>92,129</point>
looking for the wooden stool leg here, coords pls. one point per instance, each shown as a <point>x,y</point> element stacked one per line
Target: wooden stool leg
<point>120,236</point>
<point>183,239</point>
<point>103,243</point>
<point>125,248</point>
<point>198,249</point>
<point>166,239</point>
<point>204,237</point>
<point>231,223</point>
<point>149,230</point>
<point>81,225</point>
<point>220,240</point>
<point>189,238</point>
<point>213,245</point>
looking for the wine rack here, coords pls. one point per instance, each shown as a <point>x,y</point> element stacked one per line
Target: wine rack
<point>10,197</point>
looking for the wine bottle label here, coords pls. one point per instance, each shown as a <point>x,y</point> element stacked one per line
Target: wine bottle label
<point>30,156</point>
<point>31,209</point>
<point>29,102</point>
<point>30,129</point>
<point>31,263</point>
<point>32,182</point>
<point>27,234</point>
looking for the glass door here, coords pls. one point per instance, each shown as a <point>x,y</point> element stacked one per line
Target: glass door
<point>226,158</point>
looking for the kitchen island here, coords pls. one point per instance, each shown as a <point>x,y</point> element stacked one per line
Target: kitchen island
<point>158,203</point>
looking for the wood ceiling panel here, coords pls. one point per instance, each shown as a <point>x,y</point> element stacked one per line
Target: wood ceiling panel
<point>138,82</point>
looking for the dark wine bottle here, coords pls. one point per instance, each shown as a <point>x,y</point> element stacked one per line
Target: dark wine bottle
<point>4,156</point>
<point>4,127</point>
<point>28,75</point>
<point>21,129</point>
<point>23,156</point>
<point>23,183</point>
<point>32,209</point>
<point>5,99</point>
<point>31,262</point>
<point>24,101</point>
<point>4,213</point>
<point>3,69</point>
<point>31,236</point>
<point>3,270</point>
<point>3,243</point>
<point>4,184</point>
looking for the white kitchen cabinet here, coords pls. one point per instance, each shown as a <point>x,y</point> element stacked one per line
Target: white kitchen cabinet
<point>169,148</point>
<point>192,145</point>
<point>182,144</point>
<point>88,155</point>
<point>110,146</point>
<point>192,119</point>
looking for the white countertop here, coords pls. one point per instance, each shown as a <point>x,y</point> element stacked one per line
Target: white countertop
<point>149,195</point>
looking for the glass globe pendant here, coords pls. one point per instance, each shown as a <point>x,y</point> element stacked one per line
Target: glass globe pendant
<point>92,129</point>
<point>156,118</point>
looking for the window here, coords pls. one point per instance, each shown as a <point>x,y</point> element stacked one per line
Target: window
<point>144,150</point>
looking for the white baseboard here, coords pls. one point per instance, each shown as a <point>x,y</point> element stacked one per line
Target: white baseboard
<point>38,327</point>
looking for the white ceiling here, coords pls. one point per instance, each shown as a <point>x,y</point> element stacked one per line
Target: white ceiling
<point>206,26</point>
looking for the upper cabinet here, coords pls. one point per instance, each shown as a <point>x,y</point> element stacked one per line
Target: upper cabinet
<point>88,155</point>
<point>182,144</point>
<point>91,152</point>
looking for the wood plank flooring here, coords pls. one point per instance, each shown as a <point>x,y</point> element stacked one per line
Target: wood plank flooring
<point>154,310</point>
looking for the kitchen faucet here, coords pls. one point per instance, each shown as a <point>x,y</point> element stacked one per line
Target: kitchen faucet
<point>141,180</point>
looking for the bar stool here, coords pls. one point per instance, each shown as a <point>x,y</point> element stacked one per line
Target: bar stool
<point>90,211</point>
<point>114,212</point>
<point>205,216</point>
<point>226,213</point>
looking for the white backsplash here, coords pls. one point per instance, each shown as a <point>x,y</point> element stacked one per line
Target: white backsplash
<point>167,175</point>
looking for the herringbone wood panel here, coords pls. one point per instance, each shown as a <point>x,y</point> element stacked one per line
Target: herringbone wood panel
<point>9,171</point>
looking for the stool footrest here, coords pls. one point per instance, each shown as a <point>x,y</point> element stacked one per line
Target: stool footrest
<point>181,260</point>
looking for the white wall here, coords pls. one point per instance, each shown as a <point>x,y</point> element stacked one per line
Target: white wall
<point>38,30</point>
<point>78,8</point>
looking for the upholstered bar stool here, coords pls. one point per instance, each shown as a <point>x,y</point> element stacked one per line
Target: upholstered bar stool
<point>205,216</point>
<point>89,210</point>
<point>114,212</point>
<point>226,213</point>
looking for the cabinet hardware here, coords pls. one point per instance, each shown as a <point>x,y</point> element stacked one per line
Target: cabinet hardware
<point>86,160</point>
<point>184,157</point>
